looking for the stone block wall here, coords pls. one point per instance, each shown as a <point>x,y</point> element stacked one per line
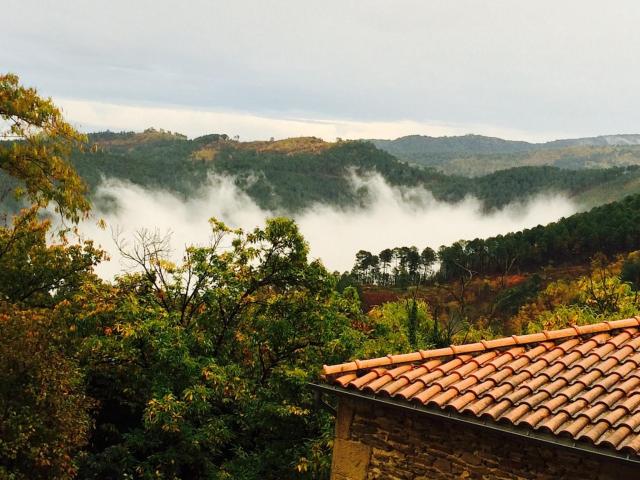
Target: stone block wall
<point>375,441</point>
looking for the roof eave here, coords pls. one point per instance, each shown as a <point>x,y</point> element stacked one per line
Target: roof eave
<point>482,423</point>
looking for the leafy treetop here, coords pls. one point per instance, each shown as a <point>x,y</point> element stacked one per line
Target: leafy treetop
<point>37,142</point>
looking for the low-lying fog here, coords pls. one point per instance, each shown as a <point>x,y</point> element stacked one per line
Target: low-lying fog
<point>393,217</point>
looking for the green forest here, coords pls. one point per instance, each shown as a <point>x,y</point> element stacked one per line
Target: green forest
<point>287,176</point>
<point>609,229</point>
<point>200,369</point>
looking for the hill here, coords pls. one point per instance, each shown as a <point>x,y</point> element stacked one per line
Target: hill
<point>473,155</point>
<point>585,264</point>
<point>292,174</point>
<point>609,229</point>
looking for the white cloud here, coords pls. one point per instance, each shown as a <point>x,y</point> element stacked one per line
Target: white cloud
<point>532,66</point>
<point>394,217</point>
<point>92,116</point>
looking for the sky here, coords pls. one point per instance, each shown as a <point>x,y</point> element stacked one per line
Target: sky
<point>520,70</point>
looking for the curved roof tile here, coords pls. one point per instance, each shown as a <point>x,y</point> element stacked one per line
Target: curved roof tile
<point>581,382</point>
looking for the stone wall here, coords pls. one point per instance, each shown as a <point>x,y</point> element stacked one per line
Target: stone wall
<point>375,441</point>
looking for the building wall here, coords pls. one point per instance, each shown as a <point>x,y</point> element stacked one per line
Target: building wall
<point>374,441</point>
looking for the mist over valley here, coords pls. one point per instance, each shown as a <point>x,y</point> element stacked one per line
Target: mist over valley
<point>387,216</point>
<point>345,196</point>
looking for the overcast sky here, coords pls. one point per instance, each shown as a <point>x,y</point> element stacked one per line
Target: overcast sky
<point>534,70</point>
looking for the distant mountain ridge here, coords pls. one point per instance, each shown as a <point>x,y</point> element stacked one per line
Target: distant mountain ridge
<point>473,155</point>
<point>289,175</point>
<point>286,176</point>
<point>457,144</point>
<point>484,144</point>
<point>599,141</point>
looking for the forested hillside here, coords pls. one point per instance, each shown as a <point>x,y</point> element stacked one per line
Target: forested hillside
<point>579,269</point>
<point>609,229</point>
<point>289,175</point>
<point>474,155</point>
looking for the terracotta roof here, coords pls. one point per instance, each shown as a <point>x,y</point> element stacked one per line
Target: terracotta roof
<point>582,382</point>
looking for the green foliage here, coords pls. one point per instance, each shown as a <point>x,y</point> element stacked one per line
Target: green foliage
<point>398,327</point>
<point>196,370</point>
<point>400,267</point>
<point>44,412</point>
<point>35,149</point>
<point>36,271</point>
<point>509,301</point>
<point>203,372</point>
<point>412,325</point>
<point>599,296</point>
<point>425,149</point>
<point>631,270</point>
<point>608,229</point>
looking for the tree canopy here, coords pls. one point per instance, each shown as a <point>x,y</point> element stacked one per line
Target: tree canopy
<point>37,142</point>
<point>44,409</point>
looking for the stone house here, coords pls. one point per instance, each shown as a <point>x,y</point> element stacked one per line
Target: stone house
<point>561,404</point>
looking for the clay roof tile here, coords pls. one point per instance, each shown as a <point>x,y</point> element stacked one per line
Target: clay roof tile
<point>518,394</point>
<point>593,328</point>
<point>516,413</point>
<point>468,348</point>
<point>394,386</point>
<point>588,361</point>
<point>536,398</point>
<point>571,391</point>
<point>363,380</point>
<point>554,403</point>
<point>378,383</point>
<point>535,417</point>
<point>427,394</point>
<point>630,421</point>
<point>573,429</point>
<point>479,405</point>
<point>571,374</point>
<point>594,432</point>
<point>498,409</point>
<point>554,422</point>
<point>460,402</point>
<point>499,392</point>
<point>409,391</point>
<point>630,445</point>
<point>625,323</point>
<point>582,382</point>
<point>530,338</point>
<point>553,370</point>
<point>500,342</point>
<point>635,359</point>
<point>630,403</point>
<point>613,438</point>
<point>611,417</point>
<point>443,398</point>
<point>591,376</point>
<point>539,350</point>
<point>343,380</point>
<point>574,408</point>
<point>624,369</point>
